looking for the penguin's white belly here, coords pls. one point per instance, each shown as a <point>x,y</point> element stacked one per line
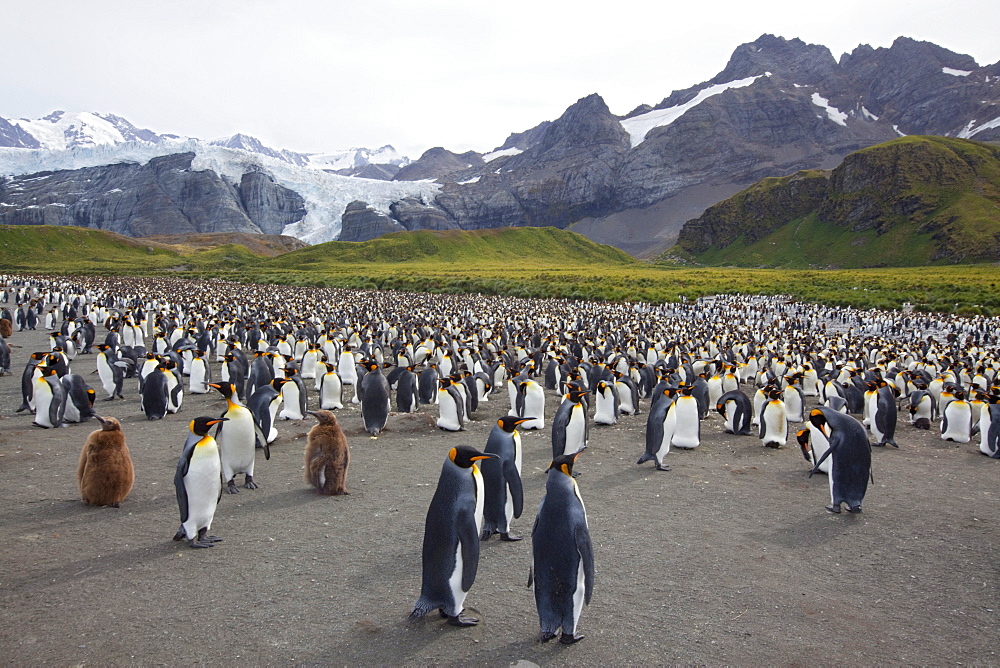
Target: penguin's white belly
<point>819,444</point>
<point>775,424</point>
<point>959,423</point>
<point>202,483</point>
<point>455,584</point>
<point>985,421</point>
<point>447,412</point>
<point>236,445</point>
<point>197,379</point>
<point>43,399</point>
<point>291,410</point>
<point>686,432</point>
<point>604,412</point>
<point>578,596</point>
<point>575,433</point>
<point>331,393</point>
<point>534,407</point>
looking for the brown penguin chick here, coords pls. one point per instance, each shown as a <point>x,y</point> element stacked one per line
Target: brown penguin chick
<point>327,455</point>
<point>105,473</point>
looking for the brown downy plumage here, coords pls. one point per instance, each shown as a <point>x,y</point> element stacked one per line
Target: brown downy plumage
<point>105,473</point>
<point>327,455</point>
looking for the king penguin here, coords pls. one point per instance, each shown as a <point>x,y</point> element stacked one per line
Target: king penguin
<point>237,440</point>
<point>504,497</point>
<point>104,473</point>
<point>989,430</point>
<point>736,410</point>
<point>327,455</point>
<point>851,454</point>
<point>956,419</point>
<point>331,389</point>
<point>50,399</point>
<point>373,391</point>
<point>451,537</point>
<point>687,430</point>
<point>660,424</point>
<point>606,406</point>
<point>451,406</point>
<point>883,415</point>
<point>570,427</point>
<point>773,422</point>
<point>198,482</point>
<point>562,567</point>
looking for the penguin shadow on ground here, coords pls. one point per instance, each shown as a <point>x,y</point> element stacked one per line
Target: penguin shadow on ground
<point>818,527</point>
<point>401,641</point>
<point>621,477</point>
<point>94,567</point>
<point>300,496</point>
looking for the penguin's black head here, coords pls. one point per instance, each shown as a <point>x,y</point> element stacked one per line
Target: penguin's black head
<point>564,463</point>
<point>576,396</point>
<point>818,420</point>
<point>803,439</point>
<point>509,422</point>
<point>200,425</point>
<point>464,456</point>
<point>226,389</point>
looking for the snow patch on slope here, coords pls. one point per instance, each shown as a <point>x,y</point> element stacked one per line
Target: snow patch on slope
<point>971,130</point>
<point>639,126</point>
<point>956,73</point>
<point>834,114</point>
<point>501,153</point>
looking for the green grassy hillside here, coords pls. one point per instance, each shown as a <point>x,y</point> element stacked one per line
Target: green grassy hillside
<point>522,262</point>
<point>909,202</point>
<point>509,246</point>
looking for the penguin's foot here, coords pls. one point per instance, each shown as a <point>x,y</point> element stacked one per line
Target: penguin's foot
<point>231,487</point>
<point>202,538</point>
<point>834,509</point>
<point>198,544</point>
<point>111,398</point>
<point>661,467</point>
<point>570,638</point>
<point>485,535</point>
<point>546,636</point>
<point>509,537</point>
<point>462,620</point>
<point>878,445</point>
<point>180,535</point>
<point>249,483</point>
<point>854,509</point>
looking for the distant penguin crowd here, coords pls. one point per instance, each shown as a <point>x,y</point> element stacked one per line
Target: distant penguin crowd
<point>836,382</point>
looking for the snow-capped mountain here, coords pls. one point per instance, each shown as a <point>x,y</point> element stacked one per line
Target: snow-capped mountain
<point>631,180</point>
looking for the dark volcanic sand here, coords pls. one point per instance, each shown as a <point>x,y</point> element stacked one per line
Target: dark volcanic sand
<point>728,558</point>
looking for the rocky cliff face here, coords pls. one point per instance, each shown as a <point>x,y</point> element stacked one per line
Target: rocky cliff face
<point>163,196</point>
<point>931,191</point>
<point>753,213</point>
<point>361,223</point>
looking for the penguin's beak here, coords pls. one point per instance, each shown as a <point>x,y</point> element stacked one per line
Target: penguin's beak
<point>486,456</point>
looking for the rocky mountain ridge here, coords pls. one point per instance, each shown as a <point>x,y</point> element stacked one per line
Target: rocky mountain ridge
<point>778,107</point>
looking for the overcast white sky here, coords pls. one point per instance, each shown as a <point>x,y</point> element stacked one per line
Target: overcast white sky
<point>322,75</point>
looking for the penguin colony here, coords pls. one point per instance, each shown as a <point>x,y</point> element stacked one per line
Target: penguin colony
<point>839,380</point>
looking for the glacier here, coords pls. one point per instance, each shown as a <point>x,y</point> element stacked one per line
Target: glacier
<point>326,195</point>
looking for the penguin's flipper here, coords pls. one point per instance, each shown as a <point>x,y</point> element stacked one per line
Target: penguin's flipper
<point>586,550</point>
<point>262,438</point>
<point>469,540</point>
<point>514,487</point>
<point>182,469</point>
